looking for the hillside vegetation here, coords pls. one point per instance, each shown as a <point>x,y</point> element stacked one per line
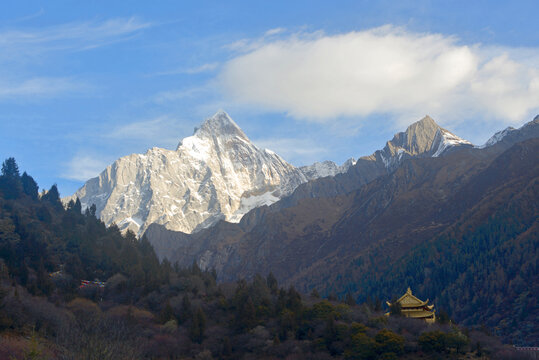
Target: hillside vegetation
<point>148,309</point>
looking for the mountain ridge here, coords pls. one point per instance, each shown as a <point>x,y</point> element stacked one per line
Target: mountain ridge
<point>217,173</point>
<point>450,175</point>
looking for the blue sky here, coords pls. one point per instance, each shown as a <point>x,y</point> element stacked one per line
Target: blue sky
<point>83,83</point>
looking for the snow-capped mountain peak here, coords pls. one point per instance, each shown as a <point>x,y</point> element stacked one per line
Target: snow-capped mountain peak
<point>498,136</point>
<point>326,168</point>
<point>221,125</point>
<point>424,138</point>
<point>216,173</point>
<point>506,134</point>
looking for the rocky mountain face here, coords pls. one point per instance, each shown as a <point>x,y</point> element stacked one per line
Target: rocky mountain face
<point>326,168</point>
<point>510,135</point>
<point>216,174</point>
<point>219,174</point>
<point>391,205</point>
<point>422,139</point>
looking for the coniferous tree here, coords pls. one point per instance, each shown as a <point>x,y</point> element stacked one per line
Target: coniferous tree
<point>186,311</point>
<point>247,315</point>
<point>293,300</point>
<point>29,186</point>
<point>198,326</point>
<point>53,197</point>
<point>10,181</point>
<point>90,212</point>
<point>10,168</point>
<point>271,281</point>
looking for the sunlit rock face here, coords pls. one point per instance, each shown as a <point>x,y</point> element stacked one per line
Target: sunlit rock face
<point>217,173</point>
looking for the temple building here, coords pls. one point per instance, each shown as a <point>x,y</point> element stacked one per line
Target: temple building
<point>414,308</point>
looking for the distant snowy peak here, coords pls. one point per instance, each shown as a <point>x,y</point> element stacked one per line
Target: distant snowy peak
<point>216,173</point>
<point>219,126</point>
<point>423,138</point>
<point>510,135</point>
<point>326,168</point>
<point>497,137</point>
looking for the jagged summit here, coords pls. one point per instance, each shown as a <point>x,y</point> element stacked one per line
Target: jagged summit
<point>422,138</point>
<point>220,124</point>
<point>215,174</point>
<point>426,119</point>
<point>418,137</point>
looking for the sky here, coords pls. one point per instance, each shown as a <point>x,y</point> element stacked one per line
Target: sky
<point>84,83</point>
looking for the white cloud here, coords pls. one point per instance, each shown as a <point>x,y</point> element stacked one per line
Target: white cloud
<point>275,31</point>
<point>208,67</point>
<point>202,68</point>
<point>385,70</point>
<point>69,36</point>
<point>22,49</point>
<point>84,167</point>
<point>39,87</point>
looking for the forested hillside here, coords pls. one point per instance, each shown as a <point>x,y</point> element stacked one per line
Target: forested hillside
<point>460,229</point>
<point>70,288</point>
<point>483,269</point>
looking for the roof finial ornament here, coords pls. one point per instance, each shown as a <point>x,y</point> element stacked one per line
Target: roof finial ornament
<point>409,291</point>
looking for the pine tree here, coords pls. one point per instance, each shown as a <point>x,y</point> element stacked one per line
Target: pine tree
<point>53,197</point>
<point>10,181</point>
<point>91,210</point>
<point>186,311</point>
<point>29,186</point>
<point>247,315</point>
<point>10,168</point>
<point>271,281</point>
<point>198,326</point>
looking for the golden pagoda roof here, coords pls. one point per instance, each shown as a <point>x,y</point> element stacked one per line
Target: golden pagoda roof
<point>409,300</point>
<point>413,307</point>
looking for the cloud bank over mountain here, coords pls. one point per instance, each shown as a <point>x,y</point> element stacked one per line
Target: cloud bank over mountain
<point>319,77</point>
